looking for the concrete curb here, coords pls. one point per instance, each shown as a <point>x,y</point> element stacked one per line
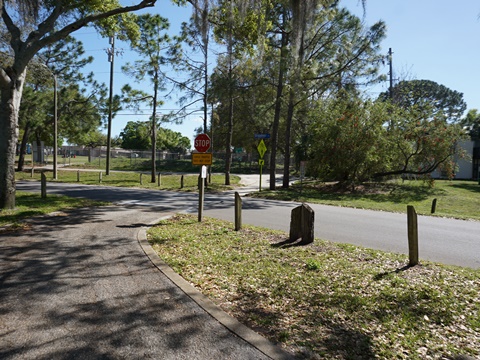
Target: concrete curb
<point>232,324</point>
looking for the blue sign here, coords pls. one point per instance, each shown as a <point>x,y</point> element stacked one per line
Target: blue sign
<point>262,136</point>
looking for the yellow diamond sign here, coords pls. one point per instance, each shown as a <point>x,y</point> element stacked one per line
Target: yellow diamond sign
<point>261,148</point>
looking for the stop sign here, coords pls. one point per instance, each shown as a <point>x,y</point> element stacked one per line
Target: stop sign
<point>202,143</point>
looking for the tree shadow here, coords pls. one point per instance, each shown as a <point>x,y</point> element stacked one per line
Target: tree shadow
<point>473,187</point>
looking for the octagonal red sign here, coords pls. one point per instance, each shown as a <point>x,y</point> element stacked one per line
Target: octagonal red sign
<point>202,143</point>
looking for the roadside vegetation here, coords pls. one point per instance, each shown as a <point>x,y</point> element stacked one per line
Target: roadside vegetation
<point>168,181</point>
<point>140,164</point>
<point>326,300</point>
<point>30,205</point>
<point>456,199</point>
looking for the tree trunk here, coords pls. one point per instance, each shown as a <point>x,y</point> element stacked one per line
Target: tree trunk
<point>11,95</point>
<point>278,107</point>
<point>23,147</point>
<point>228,148</point>
<point>154,129</point>
<point>288,136</point>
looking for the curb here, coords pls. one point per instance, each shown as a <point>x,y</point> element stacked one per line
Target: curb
<point>256,340</point>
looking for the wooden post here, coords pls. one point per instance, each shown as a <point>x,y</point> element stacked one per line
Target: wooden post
<point>238,212</point>
<point>159,179</point>
<point>33,172</point>
<point>141,179</point>
<point>181,182</point>
<point>434,206</point>
<point>100,177</point>
<point>412,235</point>
<point>43,183</point>
<point>78,175</point>
<point>302,224</point>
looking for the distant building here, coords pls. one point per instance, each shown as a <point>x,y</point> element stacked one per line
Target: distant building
<point>467,168</point>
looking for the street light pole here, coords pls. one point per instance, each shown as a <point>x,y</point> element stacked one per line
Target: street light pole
<point>55,126</point>
<point>111,56</point>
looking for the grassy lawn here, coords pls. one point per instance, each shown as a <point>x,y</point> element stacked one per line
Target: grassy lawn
<point>326,300</point>
<point>458,199</point>
<point>29,205</point>
<point>141,164</point>
<point>132,179</point>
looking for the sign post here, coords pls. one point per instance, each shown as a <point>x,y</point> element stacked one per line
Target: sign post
<point>202,144</point>
<point>262,148</point>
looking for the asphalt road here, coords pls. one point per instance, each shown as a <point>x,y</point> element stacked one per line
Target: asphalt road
<point>449,241</point>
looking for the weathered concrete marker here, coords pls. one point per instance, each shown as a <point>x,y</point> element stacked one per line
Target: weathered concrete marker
<point>301,224</point>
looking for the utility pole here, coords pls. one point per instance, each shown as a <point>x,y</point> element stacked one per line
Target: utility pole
<point>111,56</point>
<point>55,125</point>
<point>390,56</point>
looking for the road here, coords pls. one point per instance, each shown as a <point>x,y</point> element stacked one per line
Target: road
<point>448,241</point>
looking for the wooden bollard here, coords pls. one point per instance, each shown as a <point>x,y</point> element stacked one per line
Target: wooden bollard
<point>181,182</point>
<point>159,179</point>
<point>238,212</point>
<point>33,172</point>
<point>78,175</point>
<point>100,177</point>
<point>141,179</point>
<point>434,206</point>
<point>302,224</point>
<point>43,183</point>
<point>412,236</point>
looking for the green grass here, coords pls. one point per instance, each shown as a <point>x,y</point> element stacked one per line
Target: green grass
<point>326,300</point>
<point>132,179</point>
<point>458,199</point>
<point>29,205</point>
<point>140,164</point>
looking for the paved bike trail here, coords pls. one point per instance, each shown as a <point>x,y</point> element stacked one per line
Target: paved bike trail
<point>79,285</point>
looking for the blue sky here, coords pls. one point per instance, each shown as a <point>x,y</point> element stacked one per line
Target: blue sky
<point>430,39</point>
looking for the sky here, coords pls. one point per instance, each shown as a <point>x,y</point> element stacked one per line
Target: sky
<point>430,40</point>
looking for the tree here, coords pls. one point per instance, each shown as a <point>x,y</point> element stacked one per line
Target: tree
<point>152,41</point>
<point>63,58</point>
<point>358,140</point>
<point>49,22</point>
<point>236,27</point>
<point>321,48</point>
<point>136,136</point>
<point>426,93</point>
<point>196,35</point>
<point>472,123</point>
